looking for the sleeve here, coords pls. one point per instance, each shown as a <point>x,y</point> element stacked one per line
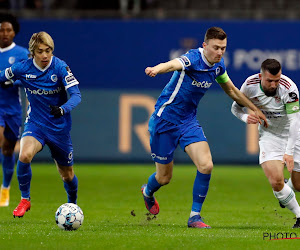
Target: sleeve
<point>74,100</point>
<point>68,78</point>
<point>294,119</point>
<point>188,60</point>
<point>291,99</point>
<point>222,78</point>
<point>239,112</point>
<point>10,73</point>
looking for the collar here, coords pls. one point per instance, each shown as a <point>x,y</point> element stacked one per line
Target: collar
<point>204,58</point>
<point>39,68</point>
<point>7,48</point>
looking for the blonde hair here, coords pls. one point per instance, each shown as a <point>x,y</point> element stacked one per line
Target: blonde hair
<point>38,38</point>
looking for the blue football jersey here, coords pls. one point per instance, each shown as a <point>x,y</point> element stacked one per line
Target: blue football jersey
<point>10,102</point>
<point>44,87</point>
<point>179,99</point>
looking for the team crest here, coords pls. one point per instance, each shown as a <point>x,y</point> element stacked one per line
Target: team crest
<point>277,99</point>
<point>12,60</point>
<point>54,78</point>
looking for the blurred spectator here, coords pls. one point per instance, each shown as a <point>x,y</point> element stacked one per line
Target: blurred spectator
<point>40,4</point>
<point>17,4</point>
<point>125,4</point>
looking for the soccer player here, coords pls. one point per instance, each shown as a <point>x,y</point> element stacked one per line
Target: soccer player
<point>278,97</point>
<point>46,80</point>
<point>10,105</point>
<point>174,119</point>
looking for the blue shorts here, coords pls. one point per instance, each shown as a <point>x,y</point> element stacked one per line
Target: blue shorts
<point>165,137</point>
<point>12,126</point>
<point>60,145</point>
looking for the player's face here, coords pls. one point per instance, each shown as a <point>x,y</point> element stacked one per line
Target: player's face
<point>42,55</point>
<point>214,50</point>
<point>269,82</point>
<point>7,34</point>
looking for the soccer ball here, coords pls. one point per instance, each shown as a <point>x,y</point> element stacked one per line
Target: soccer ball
<point>69,216</point>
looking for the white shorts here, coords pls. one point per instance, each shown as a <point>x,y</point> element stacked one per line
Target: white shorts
<point>273,148</point>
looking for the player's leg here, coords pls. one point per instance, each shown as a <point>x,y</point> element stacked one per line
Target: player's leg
<point>161,177</point>
<point>29,147</point>
<point>8,166</point>
<point>62,152</point>
<point>70,181</point>
<point>294,180</point>
<point>194,142</point>
<point>273,170</point>
<point>163,141</point>
<point>200,154</point>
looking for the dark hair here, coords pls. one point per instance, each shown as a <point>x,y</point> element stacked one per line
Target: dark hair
<point>9,18</point>
<point>215,33</point>
<point>271,65</point>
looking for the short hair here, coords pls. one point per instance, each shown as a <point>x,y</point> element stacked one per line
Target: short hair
<point>215,33</point>
<point>271,65</point>
<point>40,38</point>
<point>9,18</point>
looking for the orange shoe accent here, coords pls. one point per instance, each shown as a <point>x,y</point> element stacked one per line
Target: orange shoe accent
<point>22,208</point>
<point>4,197</point>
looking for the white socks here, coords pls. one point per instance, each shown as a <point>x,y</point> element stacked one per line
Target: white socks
<point>290,184</point>
<point>286,196</point>
<point>194,213</point>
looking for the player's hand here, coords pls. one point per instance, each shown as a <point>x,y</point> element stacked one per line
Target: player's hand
<point>56,111</point>
<point>252,119</point>
<point>6,84</point>
<point>289,162</point>
<point>150,71</point>
<point>261,116</point>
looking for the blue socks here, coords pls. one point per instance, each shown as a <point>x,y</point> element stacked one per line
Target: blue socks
<point>152,185</point>
<point>8,166</point>
<point>24,175</point>
<point>71,189</point>
<point>200,189</point>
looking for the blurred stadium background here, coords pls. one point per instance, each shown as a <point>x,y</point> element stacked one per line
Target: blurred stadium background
<point>108,44</point>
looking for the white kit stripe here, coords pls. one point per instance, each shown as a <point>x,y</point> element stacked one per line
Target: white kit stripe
<point>173,94</point>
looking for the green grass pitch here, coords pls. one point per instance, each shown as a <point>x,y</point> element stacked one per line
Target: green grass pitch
<point>240,208</point>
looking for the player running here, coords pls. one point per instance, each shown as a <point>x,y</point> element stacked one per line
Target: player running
<point>10,102</point>
<point>174,120</point>
<point>278,97</point>
<point>46,80</point>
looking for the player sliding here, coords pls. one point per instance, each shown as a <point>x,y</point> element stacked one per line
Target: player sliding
<point>46,80</point>
<point>278,97</point>
<point>174,120</point>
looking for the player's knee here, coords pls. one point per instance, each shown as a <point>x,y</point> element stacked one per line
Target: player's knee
<point>164,180</point>
<point>67,174</point>
<point>7,152</point>
<point>206,168</point>
<point>277,184</point>
<point>26,157</point>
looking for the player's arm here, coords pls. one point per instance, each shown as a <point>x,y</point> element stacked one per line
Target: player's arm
<point>162,68</point>
<point>74,100</point>
<point>241,113</point>
<point>293,115</point>
<point>6,78</point>
<point>235,94</point>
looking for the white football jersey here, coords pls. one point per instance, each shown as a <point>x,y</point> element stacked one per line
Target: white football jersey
<point>273,107</point>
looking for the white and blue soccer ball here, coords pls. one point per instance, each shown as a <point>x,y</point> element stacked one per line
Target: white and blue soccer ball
<point>69,216</point>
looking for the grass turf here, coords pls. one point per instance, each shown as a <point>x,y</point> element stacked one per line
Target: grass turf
<point>240,208</point>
